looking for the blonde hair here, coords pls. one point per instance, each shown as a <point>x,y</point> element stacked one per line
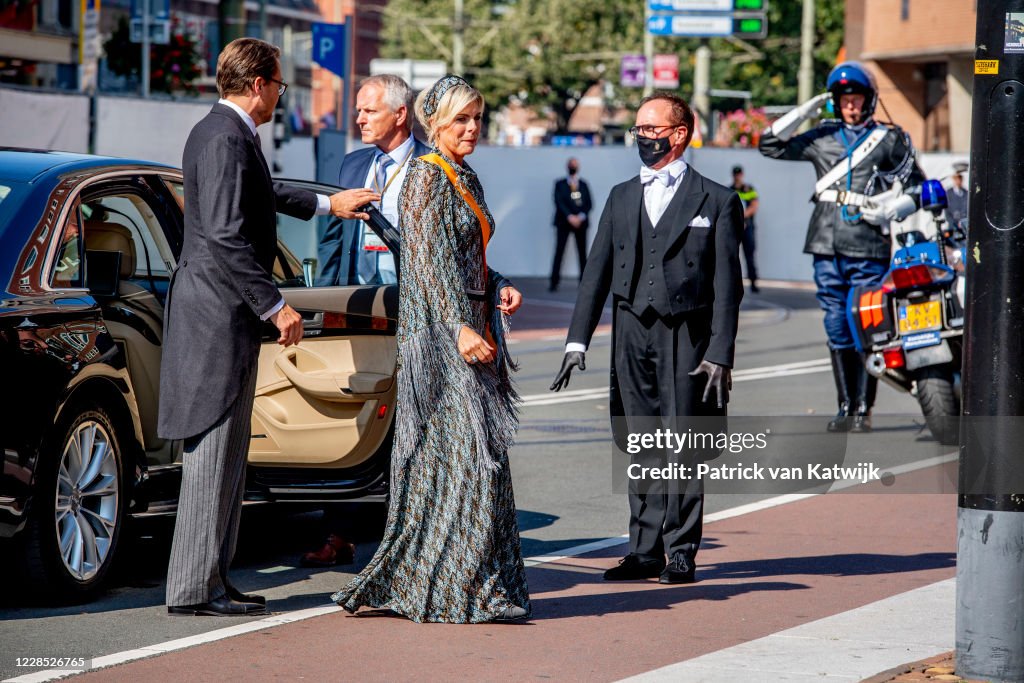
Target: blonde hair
<point>457,98</point>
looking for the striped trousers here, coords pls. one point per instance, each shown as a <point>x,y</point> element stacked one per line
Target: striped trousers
<point>210,504</point>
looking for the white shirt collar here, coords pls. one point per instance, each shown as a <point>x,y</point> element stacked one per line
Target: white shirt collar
<point>241,112</point>
<point>399,153</point>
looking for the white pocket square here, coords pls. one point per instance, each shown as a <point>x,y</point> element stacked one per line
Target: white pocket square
<point>700,222</point>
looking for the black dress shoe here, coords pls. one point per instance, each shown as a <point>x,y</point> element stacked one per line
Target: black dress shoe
<point>239,596</point>
<point>511,614</point>
<point>219,607</point>
<point>680,570</point>
<point>631,568</point>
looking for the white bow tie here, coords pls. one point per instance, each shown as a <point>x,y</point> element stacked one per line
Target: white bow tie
<point>649,174</point>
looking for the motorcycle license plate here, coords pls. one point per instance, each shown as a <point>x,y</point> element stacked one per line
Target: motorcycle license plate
<point>920,317</point>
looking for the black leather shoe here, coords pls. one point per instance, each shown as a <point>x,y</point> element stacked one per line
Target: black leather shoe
<point>219,607</point>
<point>680,570</point>
<point>631,568</point>
<point>239,596</point>
<point>511,614</point>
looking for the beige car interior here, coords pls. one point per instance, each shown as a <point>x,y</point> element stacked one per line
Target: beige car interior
<point>326,402</point>
<point>143,355</point>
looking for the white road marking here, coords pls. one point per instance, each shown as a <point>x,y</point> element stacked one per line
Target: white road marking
<point>748,375</point>
<point>274,570</point>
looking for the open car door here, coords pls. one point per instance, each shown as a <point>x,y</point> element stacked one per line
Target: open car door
<point>329,401</point>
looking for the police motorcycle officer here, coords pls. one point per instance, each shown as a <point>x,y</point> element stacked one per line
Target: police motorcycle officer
<point>867,177</point>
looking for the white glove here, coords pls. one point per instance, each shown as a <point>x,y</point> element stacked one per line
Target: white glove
<point>784,127</point>
<point>900,207</point>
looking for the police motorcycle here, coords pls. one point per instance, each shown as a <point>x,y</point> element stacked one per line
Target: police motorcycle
<point>911,326</point>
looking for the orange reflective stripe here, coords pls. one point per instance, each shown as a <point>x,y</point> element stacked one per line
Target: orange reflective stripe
<point>876,308</point>
<point>865,312</point>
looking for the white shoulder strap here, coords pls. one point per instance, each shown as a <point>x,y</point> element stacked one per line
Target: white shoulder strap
<point>846,164</point>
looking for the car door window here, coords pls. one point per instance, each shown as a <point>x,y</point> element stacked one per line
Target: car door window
<point>67,268</point>
<point>123,220</point>
<point>325,251</point>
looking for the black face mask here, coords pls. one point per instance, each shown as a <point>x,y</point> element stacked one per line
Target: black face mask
<point>573,170</point>
<point>653,150</point>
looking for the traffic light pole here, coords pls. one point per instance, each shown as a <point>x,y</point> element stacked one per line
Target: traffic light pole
<point>990,515</point>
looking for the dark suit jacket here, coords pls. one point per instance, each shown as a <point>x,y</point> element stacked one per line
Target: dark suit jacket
<point>222,284</point>
<point>565,206</point>
<point>702,269</point>
<point>338,239</point>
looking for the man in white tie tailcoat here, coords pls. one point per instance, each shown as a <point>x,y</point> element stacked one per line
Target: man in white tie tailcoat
<point>667,249</point>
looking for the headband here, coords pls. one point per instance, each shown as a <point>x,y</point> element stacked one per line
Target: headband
<point>438,90</point>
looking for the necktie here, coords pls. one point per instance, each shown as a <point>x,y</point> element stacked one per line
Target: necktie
<point>383,162</point>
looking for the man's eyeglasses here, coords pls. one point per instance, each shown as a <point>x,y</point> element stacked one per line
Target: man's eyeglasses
<point>281,86</point>
<point>651,131</point>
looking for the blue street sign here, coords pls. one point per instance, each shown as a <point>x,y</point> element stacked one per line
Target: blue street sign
<point>708,25</point>
<point>159,10</point>
<point>707,5</point>
<point>330,47</point>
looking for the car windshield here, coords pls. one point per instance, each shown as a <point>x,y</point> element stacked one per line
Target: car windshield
<point>10,197</point>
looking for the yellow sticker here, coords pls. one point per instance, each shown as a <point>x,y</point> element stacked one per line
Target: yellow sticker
<point>986,66</point>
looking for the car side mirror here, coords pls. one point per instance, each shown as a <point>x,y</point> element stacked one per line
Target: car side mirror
<point>102,272</point>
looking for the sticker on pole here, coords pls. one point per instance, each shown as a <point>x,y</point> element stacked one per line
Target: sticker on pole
<point>1014,42</point>
<point>986,67</point>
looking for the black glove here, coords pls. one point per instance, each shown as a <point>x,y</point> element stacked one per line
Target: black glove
<point>719,377</point>
<point>569,361</point>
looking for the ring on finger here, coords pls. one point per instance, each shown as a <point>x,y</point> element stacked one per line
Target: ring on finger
<point>473,359</point>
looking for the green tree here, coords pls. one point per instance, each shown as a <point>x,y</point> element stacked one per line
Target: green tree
<point>549,52</point>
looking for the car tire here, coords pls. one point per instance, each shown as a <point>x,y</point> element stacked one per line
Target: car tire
<point>79,507</point>
<point>939,404</point>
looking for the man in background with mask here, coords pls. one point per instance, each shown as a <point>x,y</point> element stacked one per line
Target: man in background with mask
<point>572,206</point>
<point>667,249</point>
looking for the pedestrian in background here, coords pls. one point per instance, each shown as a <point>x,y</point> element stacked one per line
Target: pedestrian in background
<point>667,249</point>
<point>957,198</point>
<point>450,551</point>
<point>748,195</point>
<point>220,294</point>
<point>572,209</point>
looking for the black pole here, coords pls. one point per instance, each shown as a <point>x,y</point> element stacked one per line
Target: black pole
<point>990,517</point>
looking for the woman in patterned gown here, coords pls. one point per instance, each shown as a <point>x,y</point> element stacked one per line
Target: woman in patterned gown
<point>450,551</point>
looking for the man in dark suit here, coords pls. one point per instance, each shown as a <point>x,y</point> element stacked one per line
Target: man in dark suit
<point>572,206</point>
<point>220,293</point>
<point>667,248</point>
<point>384,107</point>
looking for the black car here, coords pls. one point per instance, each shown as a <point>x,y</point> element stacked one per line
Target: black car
<point>87,246</point>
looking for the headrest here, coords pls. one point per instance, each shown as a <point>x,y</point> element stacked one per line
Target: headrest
<point>112,237</point>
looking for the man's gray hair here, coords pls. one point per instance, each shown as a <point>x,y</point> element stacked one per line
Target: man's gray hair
<point>397,93</point>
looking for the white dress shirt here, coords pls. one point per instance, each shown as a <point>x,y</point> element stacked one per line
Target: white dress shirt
<point>389,200</point>
<point>323,202</point>
<point>659,188</point>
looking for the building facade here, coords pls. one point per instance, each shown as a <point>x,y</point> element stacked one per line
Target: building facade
<point>922,53</point>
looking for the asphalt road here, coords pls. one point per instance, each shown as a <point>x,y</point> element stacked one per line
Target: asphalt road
<point>561,468</point>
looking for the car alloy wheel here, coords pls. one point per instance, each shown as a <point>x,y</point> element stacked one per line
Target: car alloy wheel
<point>86,510</point>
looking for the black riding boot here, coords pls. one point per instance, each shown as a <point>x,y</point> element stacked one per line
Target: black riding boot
<point>841,372</point>
<point>864,399</point>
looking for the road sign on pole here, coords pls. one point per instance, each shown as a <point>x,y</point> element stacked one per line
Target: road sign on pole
<point>418,73</point>
<point>632,71</point>
<point>666,71</point>
<point>159,21</point>
<point>330,49</point>
<point>707,5</point>
<point>747,26</point>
